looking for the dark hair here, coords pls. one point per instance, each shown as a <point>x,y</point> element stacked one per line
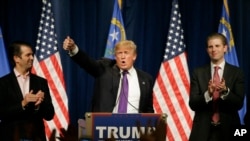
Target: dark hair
<point>217,35</point>
<point>15,49</point>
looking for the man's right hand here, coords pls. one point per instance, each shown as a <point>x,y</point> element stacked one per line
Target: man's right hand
<point>29,97</point>
<point>69,44</point>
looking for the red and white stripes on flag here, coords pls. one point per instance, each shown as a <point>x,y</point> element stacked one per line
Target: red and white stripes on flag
<point>172,85</point>
<point>47,63</point>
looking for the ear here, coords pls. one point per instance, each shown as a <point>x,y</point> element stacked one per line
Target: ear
<point>225,48</point>
<point>16,58</point>
<point>134,58</point>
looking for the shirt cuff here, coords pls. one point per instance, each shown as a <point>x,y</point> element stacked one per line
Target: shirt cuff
<point>224,95</point>
<point>207,97</point>
<point>74,51</point>
<point>37,108</point>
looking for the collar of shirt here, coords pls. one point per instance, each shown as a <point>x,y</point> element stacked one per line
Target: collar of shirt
<point>221,70</point>
<point>20,75</point>
<point>131,71</point>
<point>23,81</point>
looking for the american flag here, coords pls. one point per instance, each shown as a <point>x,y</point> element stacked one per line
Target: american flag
<point>47,64</point>
<point>172,85</point>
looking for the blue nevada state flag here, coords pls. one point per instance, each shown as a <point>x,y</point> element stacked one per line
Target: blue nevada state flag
<point>4,64</point>
<point>116,31</point>
<point>230,56</point>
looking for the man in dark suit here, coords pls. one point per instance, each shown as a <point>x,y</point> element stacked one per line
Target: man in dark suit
<point>107,75</point>
<point>216,116</point>
<point>25,99</point>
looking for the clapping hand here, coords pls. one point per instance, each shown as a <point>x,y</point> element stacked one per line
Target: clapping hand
<point>35,98</point>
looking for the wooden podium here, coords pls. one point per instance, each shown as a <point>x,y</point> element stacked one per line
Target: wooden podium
<point>100,126</point>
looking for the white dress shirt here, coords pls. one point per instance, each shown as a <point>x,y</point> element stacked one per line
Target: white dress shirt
<point>133,92</point>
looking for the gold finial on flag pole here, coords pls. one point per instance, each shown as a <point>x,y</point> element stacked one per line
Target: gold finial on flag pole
<point>120,3</point>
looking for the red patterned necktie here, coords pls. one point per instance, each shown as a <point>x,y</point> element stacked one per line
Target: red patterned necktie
<point>123,98</point>
<point>216,81</point>
<point>216,95</point>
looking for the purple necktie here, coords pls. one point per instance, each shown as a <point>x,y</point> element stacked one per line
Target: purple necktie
<point>216,95</point>
<point>123,98</point>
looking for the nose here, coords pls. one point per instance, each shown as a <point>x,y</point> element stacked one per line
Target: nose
<point>123,55</point>
<point>213,48</point>
<point>31,57</point>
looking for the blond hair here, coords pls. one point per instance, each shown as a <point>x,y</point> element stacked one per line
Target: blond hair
<point>125,43</point>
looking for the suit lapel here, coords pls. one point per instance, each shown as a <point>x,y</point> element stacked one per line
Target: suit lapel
<point>226,73</point>
<point>16,87</point>
<point>35,83</point>
<point>208,75</point>
<point>31,83</point>
<point>116,79</point>
<point>142,84</point>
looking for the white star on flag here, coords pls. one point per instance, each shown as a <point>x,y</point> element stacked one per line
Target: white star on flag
<point>114,35</point>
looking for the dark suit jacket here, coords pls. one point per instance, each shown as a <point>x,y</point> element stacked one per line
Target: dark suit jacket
<point>107,79</point>
<point>17,122</point>
<point>228,108</point>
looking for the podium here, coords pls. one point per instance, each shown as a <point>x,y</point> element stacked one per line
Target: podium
<point>101,126</point>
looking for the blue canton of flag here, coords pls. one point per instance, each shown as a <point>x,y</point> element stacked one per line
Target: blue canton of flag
<point>4,64</point>
<point>116,31</point>
<point>46,42</point>
<point>230,56</point>
<point>175,44</point>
